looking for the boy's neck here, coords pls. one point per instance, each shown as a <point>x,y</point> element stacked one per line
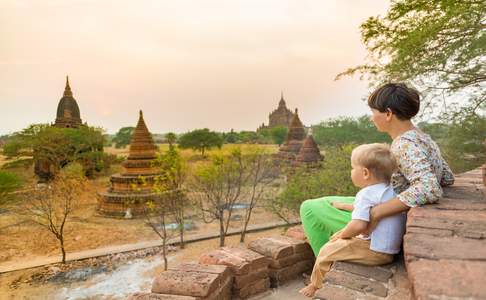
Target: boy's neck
<point>373,182</point>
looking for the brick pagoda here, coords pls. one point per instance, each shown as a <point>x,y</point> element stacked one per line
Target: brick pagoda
<point>68,115</point>
<point>309,154</point>
<point>129,191</point>
<point>294,140</point>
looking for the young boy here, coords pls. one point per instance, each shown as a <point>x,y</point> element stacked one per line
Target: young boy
<point>372,167</point>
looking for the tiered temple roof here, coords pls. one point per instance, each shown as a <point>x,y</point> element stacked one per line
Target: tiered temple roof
<point>130,190</point>
<point>294,139</point>
<point>309,154</point>
<point>68,115</point>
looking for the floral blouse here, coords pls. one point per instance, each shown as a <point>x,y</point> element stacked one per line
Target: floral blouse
<point>421,169</point>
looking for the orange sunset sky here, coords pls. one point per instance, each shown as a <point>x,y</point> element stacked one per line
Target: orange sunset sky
<point>219,64</point>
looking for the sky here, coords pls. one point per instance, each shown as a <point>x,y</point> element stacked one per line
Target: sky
<point>219,64</point>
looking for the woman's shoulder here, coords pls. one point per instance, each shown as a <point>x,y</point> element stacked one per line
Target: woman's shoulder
<point>414,138</point>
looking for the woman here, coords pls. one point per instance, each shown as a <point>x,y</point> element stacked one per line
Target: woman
<point>421,169</point>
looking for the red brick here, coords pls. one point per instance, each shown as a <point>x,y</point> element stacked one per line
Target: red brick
<point>256,260</point>
<point>331,292</point>
<point>298,245</point>
<point>427,246</point>
<point>447,279</point>
<point>257,287</point>
<point>153,296</point>
<point>287,261</point>
<point>191,280</point>
<point>279,276</point>
<point>271,248</point>
<point>296,232</point>
<point>244,280</point>
<point>219,257</point>
<point>356,282</point>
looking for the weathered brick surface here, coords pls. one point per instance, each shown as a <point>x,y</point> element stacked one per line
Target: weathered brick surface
<point>447,279</point>
<point>220,257</point>
<point>250,268</point>
<point>377,273</point>
<point>287,261</point>
<point>332,292</point>
<point>245,280</point>
<point>445,245</point>
<point>153,296</point>
<point>279,276</point>
<point>272,248</point>
<point>192,280</point>
<point>298,245</point>
<point>430,247</point>
<point>296,232</point>
<point>356,282</point>
<point>256,287</point>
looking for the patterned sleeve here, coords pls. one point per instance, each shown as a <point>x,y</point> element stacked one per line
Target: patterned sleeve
<point>417,168</point>
<point>447,175</point>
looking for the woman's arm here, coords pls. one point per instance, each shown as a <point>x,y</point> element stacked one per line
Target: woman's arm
<point>381,211</point>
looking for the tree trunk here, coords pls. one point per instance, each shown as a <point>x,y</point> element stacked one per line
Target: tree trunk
<point>164,252</point>
<point>181,233</point>
<point>247,220</point>
<point>221,230</point>
<point>61,241</point>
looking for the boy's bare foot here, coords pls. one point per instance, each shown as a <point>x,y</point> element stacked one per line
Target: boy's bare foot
<point>309,290</point>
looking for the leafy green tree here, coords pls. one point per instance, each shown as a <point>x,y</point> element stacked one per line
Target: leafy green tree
<point>346,130</point>
<point>52,148</point>
<point>171,138</point>
<point>278,134</point>
<point>123,137</point>
<point>200,140</point>
<point>437,45</point>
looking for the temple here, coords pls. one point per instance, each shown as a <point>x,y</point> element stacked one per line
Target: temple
<point>132,189</point>
<point>68,115</point>
<point>294,140</point>
<point>309,154</point>
<point>282,116</point>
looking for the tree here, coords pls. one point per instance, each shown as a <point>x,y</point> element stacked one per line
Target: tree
<point>173,173</point>
<point>9,182</point>
<point>171,138</point>
<point>260,172</point>
<point>436,45</point>
<point>278,134</point>
<point>158,212</point>
<point>346,130</point>
<point>123,137</point>
<point>200,140</point>
<point>218,186</point>
<point>52,206</point>
<point>53,148</point>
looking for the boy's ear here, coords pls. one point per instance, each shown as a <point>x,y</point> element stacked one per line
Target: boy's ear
<point>366,173</point>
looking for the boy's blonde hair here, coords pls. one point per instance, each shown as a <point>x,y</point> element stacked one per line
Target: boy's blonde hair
<point>377,158</point>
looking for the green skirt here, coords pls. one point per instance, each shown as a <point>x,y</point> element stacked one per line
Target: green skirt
<point>321,220</point>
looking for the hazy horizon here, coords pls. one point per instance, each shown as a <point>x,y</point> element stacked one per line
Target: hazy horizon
<point>217,64</point>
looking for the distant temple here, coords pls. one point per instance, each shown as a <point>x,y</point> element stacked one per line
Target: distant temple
<point>294,140</point>
<point>68,115</point>
<point>282,116</point>
<point>130,191</point>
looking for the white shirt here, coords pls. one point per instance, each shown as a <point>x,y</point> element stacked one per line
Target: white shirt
<point>387,236</point>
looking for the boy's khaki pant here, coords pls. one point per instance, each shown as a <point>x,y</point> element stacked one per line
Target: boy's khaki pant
<point>352,250</point>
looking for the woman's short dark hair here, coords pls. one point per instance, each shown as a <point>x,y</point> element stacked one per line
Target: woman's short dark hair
<point>402,100</point>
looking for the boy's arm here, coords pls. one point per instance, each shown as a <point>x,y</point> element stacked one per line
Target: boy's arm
<point>342,206</point>
<point>354,228</point>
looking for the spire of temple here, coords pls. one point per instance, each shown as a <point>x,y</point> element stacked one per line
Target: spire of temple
<point>67,89</point>
<point>281,103</point>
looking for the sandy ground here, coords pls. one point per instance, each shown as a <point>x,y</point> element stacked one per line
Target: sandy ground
<point>129,277</point>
